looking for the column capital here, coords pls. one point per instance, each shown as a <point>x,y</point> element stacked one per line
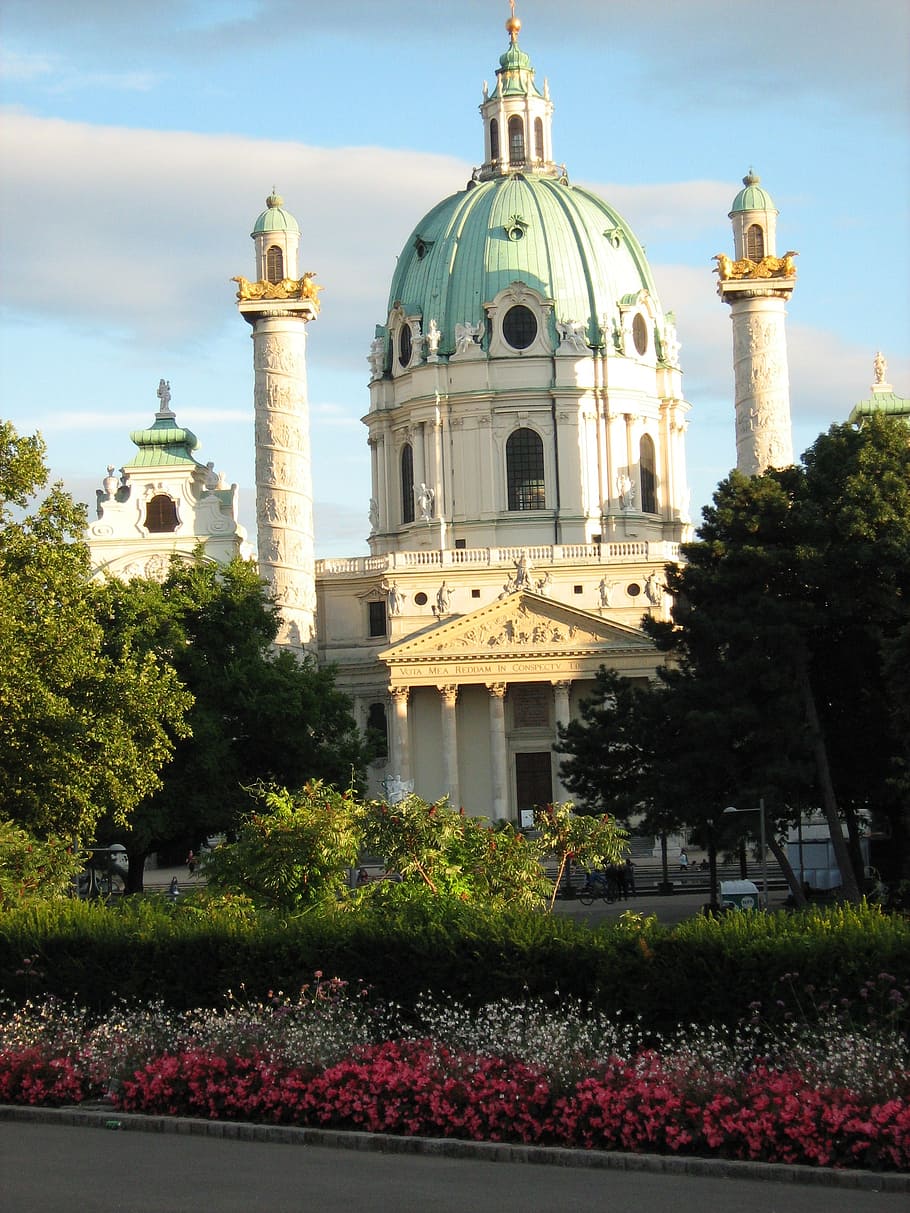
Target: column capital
<point>497,689</point>
<point>562,684</point>
<point>449,692</point>
<point>399,694</point>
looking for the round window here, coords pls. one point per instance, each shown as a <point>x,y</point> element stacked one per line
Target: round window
<point>404,345</point>
<point>420,599</point>
<point>633,590</point>
<point>519,327</point>
<point>640,333</point>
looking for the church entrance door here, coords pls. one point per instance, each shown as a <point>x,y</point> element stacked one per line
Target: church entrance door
<point>533,780</point>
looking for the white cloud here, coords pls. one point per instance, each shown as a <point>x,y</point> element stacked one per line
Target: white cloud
<point>137,226</point>
<point>19,66</point>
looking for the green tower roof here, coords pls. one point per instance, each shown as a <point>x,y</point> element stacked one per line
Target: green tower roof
<point>164,443</point>
<point>752,197</point>
<point>275,218</point>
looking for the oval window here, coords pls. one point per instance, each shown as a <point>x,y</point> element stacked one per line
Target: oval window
<point>404,345</point>
<point>640,333</point>
<point>519,326</point>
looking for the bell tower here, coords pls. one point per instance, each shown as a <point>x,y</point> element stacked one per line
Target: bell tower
<point>279,305</point>
<point>756,283</point>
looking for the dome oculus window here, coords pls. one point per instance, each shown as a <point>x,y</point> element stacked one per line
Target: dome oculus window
<point>640,334</point>
<point>519,327</point>
<point>405,345</point>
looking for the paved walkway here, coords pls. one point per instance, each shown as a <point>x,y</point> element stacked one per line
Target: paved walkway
<point>48,1167</point>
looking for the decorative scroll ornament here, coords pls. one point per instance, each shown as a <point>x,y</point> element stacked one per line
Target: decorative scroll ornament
<point>768,267</point>
<point>287,288</point>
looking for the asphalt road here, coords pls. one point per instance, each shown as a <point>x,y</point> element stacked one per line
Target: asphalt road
<point>55,1168</point>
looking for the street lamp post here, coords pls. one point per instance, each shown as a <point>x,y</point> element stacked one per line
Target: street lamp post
<point>764,856</point>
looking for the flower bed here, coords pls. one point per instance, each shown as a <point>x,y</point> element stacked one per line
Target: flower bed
<point>825,1096</point>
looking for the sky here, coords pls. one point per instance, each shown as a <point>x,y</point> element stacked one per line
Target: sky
<point>140,141</point>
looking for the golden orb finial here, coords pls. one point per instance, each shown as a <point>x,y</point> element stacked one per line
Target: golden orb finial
<point>513,25</point>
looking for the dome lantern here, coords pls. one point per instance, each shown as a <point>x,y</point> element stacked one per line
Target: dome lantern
<point>276,234</point>
<point>517,117</point>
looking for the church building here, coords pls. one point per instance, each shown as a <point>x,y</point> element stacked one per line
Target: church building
<point>526,425</point>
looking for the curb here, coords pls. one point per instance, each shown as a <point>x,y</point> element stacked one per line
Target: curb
<point>447,1147</point>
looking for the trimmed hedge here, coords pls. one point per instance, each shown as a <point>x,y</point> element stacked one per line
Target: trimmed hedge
<point>703,971</point>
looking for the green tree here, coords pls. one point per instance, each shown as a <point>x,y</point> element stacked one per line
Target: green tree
<point>293,853</point>
<point>258,715</point>
<point>784,681</point>
<point>33,869</point>
<point>451,854</point>
<point>588,842</point>
<point>83,733</point>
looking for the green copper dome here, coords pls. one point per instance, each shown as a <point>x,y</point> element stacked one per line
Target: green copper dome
<point>275,218</point>
<point>752,197</point>
<point>559,239</point>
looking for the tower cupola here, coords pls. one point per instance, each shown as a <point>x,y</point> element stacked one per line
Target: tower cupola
<point>517,117</point>
<point>276,234</point>
<point>754,217</point>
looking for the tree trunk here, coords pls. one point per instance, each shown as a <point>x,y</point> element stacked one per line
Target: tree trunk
<point>823,770</point>
<point>792,879</point>
<point>135,876</point>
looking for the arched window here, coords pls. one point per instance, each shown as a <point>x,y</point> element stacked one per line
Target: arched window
<point>538,138</point>
<point>161,514</point>
<point>516,140</point>
<point>524,471</point>
<point>407,483</point>
<point>274,264</point>
<point>494,139</point>
<point>755,242</point>
<point>647,475</point>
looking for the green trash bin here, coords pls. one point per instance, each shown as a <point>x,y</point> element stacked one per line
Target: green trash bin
<point>739,895</point>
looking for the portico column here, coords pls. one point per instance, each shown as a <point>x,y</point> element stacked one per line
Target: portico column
<point>498,750</point>
<point>401,750</point>
<point>449,696</point>
<point>561,706</point>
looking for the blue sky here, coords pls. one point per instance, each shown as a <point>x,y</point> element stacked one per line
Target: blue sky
<point>139,143</point>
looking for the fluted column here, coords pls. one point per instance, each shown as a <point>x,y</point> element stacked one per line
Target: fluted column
<point>561,711</point>
<point>498,765</point>
<point>401,749</point>
<point>449,697</point>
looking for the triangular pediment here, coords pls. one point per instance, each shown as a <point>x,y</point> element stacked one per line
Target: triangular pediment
<point>519,626</point>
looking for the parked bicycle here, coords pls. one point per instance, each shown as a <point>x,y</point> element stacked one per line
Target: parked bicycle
<point>599,884</point>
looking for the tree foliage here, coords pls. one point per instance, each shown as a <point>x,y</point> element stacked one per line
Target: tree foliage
<point>33,869</point>
<point>83,732</point>
<point>588,842</point>
<point>292,853</point>
<point>258,715</point>
<point>786,681</point>
<point>451,854</point>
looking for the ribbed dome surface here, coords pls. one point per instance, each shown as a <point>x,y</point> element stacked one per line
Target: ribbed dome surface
<point>558,239</point>
<point>752,197</point>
